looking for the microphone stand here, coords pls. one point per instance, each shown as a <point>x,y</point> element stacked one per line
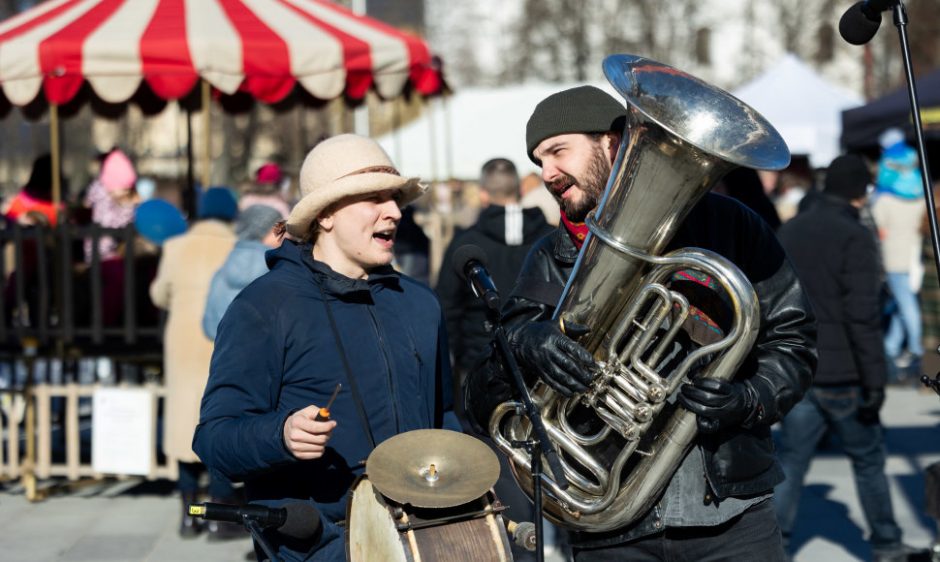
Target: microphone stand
<point>256,534</point>
<point>540,444</point>
<point>901,21</point>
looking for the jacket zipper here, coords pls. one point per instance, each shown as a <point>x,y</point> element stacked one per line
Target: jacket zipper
<point>388,370</point>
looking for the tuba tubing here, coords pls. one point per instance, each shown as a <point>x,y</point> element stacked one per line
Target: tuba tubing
<point>681,136</point>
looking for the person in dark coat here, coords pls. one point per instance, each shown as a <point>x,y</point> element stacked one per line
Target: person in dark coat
<point>838,263</point>
<point>330,301</point>
<point>717,505</point>
<point>505,231</point>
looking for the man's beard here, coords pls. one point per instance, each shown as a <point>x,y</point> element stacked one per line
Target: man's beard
<point>592,186</point>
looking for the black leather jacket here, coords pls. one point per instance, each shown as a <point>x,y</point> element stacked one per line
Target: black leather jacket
<point>738,461</point>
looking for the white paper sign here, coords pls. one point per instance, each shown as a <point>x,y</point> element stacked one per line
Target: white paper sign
<point>122,431</point>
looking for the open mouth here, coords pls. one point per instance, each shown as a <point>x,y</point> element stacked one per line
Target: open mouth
<point>559,189</point>
<point>385,237</point>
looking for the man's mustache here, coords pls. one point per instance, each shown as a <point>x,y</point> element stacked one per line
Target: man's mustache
<point>558,185</point>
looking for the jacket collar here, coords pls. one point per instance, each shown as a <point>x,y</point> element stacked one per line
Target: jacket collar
<point>839,204</point>
<point>338,284</point>
<point>333,283</point>
<point>564,249</point>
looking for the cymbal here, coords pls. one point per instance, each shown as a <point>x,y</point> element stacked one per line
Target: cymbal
<point>433,468</point>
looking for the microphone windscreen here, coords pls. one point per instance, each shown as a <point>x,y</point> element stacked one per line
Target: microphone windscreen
<point>302,521</point>
<point>856,26</point>
<point>467,253</point>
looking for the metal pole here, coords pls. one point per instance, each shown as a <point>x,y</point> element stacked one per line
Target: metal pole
<point>207,143</point>
<point>55,157</point>
<point>361,124</point>
<point>448,139</point>
<point>900,21</point>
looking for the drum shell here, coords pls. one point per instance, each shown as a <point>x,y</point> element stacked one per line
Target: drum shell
<point>373,531</point>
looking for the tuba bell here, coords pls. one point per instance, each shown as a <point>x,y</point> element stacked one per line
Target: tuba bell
<point>621,441</point>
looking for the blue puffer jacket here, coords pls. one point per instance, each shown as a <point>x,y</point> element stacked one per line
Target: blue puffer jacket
<point>243,265</point>
<point>275,353</point>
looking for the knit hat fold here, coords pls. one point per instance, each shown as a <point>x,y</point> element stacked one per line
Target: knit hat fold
<point>584,109</point>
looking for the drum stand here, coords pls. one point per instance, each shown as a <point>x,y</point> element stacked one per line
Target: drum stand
<point>256,534</point>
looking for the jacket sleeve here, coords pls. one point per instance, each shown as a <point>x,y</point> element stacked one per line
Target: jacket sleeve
<point>240,432</point>
<point>214,307</point>
<point>444,401</point>
<point>783,360</point>
<point>860,283</point>
<point>160,287</point>
<point>489,383</point>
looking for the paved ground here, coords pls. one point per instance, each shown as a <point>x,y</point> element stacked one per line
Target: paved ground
<point>130,521</point>
<point>831,525</point>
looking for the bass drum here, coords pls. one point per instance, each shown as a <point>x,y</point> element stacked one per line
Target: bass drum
<point>379,529</point>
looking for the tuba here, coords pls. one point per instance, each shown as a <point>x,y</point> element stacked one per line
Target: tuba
<point>621,441</point>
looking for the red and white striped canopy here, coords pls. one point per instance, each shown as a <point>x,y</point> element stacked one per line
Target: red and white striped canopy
<point>263,47</point>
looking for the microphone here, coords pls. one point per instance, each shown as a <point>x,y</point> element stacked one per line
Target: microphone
<point>860,22</point>
<point>522,533</point>
<point>470,264</point>
<point>298,520</point>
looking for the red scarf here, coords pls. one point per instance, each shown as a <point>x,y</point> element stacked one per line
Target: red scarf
<point>577,231</point>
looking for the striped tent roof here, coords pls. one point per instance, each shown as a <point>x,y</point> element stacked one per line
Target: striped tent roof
<point>263,47</point>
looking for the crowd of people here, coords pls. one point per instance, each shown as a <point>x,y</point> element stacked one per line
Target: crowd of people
<point>272,303</point>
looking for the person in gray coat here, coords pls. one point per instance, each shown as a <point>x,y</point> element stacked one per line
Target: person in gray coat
<point>255,231</point>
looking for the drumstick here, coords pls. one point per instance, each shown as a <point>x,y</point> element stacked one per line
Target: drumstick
<point>324,413</point>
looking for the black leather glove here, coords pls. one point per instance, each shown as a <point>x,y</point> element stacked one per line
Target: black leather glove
<point>872,401</point>
<point>541,347</point>
<point>720,404</point>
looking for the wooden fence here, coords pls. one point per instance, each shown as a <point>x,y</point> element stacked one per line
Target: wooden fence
<point>61,306</point>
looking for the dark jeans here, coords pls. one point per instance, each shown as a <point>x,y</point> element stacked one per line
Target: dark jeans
<point>220,487</point>
<point>836,409</point>
<point>752,535</point>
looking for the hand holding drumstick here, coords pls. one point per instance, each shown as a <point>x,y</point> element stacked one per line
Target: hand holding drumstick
<point>307,431</point>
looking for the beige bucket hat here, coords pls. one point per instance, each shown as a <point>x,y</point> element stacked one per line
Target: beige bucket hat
<point>343,166</point>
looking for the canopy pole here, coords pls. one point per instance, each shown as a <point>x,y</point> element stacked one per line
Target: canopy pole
<point>448,139</point>
<point>207,145</point>
<point>55,157</point>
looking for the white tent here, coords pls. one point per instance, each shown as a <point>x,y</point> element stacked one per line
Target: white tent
<point>804,107</point>
<point>477,124</point>
<point>467,129</point>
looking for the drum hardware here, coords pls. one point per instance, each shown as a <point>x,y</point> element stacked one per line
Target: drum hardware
<point>489,510</point>
<point>432,468</point>
<point>426,495</point>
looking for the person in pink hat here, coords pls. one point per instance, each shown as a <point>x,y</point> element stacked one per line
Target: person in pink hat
<point>112,200</point>
<point>267,189</point>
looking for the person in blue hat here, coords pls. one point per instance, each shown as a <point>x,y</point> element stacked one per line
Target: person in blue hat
<point>899,210</point>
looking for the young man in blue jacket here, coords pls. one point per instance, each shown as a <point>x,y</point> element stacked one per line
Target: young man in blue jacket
<point>330,310</point>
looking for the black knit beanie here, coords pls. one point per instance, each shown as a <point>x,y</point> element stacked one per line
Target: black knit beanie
<point>584,109</point>
<point>847,177</point>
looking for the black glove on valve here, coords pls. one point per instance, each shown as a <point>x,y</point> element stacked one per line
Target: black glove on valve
<point>541,348</point>
<point>872,400</point>
<point>720,404</point>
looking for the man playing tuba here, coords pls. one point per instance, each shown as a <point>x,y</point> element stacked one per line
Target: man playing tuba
<point>717,503</point>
